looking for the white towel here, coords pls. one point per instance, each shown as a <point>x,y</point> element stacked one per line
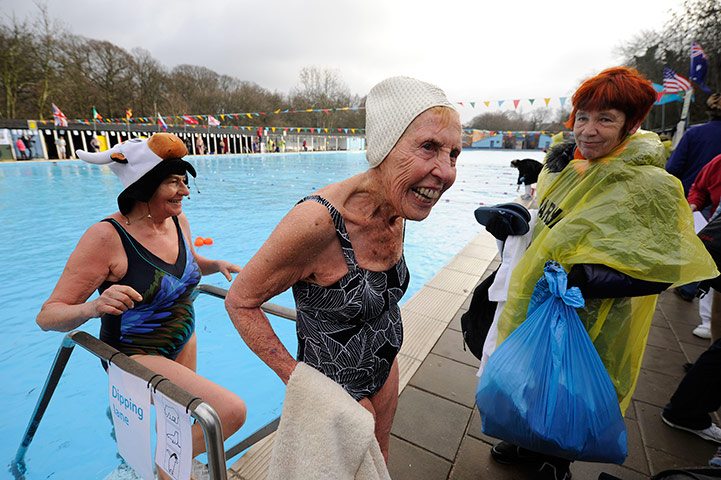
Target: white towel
<point>513,249</point>
<point>324,433</point>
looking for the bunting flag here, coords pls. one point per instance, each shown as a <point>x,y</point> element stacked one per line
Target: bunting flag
<point>128,114</point>
<point>162,123</point>
<point>212,121</point>
<point>546,100</point>
<point>663,97</point>
<point>59,117</point>
<point>699,66</point>
<point>189,120</point>
<point>96,116</point>
<point>673,82</point>
<point>515,103</point>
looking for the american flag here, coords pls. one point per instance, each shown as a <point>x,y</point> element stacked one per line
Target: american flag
<point>59,117</point>
<point>673,82</point>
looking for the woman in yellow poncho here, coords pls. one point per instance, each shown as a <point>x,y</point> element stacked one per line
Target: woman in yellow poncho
<point>618,223</point>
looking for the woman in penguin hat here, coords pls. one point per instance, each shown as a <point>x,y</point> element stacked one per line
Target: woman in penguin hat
<point>144,266</point>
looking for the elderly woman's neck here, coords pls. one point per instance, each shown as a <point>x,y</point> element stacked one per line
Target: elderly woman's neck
<point>370,199</point>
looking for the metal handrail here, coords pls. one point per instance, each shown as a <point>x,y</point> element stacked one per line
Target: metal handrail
<point>201,411</point>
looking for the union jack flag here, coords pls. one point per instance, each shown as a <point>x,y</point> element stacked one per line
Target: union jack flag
<point>673,82</point>
<point>59,117</point>
<point>212,121</point>
<point>190,120</point>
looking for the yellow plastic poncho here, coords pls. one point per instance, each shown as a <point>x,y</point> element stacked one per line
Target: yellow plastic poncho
<point>623,211</point>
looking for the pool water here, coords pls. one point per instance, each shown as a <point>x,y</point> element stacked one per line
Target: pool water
<point>44,209</point>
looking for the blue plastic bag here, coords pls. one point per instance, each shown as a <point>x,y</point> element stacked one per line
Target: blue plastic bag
<point>545,387</point>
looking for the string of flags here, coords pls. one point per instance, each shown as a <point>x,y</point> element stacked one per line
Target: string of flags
<point>674,88</point>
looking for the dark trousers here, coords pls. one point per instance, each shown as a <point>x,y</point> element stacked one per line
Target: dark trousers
<point>699,392</point>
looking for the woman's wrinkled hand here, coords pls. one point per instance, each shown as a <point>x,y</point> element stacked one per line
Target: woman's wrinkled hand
<point>226,268</point>
<point>116,299</point>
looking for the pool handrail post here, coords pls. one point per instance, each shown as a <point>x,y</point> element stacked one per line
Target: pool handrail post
<point>51,382</point>
<point>200,410</point>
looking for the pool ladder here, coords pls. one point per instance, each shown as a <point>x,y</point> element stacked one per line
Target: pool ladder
<point>201,411</point>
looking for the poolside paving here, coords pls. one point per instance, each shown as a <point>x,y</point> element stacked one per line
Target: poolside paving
<point>437,429</point>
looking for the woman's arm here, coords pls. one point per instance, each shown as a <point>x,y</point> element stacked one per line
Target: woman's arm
<point>293,252</point>
<point>207,266</point>
<point>88,267</point>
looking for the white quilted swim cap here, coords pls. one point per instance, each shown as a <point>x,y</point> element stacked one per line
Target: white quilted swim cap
<point>391,106</point>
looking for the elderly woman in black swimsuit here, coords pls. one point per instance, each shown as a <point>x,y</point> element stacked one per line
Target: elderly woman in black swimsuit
<point>141,261</point>
<point>341,250</point>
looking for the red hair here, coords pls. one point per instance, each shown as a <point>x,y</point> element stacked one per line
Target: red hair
<point>620,88</point>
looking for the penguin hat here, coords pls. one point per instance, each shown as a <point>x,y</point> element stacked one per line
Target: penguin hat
<point>142,164</point>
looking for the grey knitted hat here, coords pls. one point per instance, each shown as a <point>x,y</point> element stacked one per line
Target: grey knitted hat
<point>391,106</point>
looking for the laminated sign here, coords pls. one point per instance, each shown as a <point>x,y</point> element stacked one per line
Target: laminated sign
<point>174,450</point>
<point>130,409</point>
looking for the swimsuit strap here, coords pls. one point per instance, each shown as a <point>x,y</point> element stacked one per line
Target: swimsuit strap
<point>340,229</point>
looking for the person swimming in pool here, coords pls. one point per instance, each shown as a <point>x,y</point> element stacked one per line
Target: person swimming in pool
<point>145,268</point>
<point>341,251</point>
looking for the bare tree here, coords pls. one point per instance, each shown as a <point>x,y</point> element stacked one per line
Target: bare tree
<point>150,80</point>
<point>320,88</point>
<point>15,63</point>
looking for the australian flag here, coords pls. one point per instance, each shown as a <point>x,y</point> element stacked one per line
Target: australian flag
<point>699,66</point>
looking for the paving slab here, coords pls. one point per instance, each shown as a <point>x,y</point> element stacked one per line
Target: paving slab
<point>692,351</point>
<point>662,338</point>
<point>684,334</point>
<point>655,388</point>
<point>430,422</point>
<point>660,437</point>
<point>455,323</point>
<point>448,379</point>
<point>662,360</point>
<point>474,462</point>
<point>450,345</point>
<point>409,462</point>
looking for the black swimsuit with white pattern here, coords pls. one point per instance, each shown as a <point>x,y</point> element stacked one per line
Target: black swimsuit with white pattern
<point>351,331</point>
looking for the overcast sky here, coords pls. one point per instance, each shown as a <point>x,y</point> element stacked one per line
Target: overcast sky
<point>475,50</point>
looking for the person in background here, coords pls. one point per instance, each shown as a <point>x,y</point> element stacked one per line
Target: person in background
<point>697,147</point>
<point>341,251</point>
<point>28,145</point>
<point>618,224</point>
<point>94,144</point>
<point>528,170</point>
<point>144,266</point>
<point>199,145</point>
<point>61,144</point>
<point>22,151</point>
<point>704,195</point>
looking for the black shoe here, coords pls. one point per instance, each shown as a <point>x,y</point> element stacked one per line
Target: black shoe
<point>688,297</point>
<point>549,471</point>
<point>510,454</point>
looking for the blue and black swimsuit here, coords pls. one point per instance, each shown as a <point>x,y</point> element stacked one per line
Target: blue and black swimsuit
<point>351,331</point>
<point>163,322</point>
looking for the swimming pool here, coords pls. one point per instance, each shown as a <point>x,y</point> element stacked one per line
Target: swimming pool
<point>46,206</point>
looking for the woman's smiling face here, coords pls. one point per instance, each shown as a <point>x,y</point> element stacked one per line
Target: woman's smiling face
<point>598,132</point>
<point>422,165</point>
